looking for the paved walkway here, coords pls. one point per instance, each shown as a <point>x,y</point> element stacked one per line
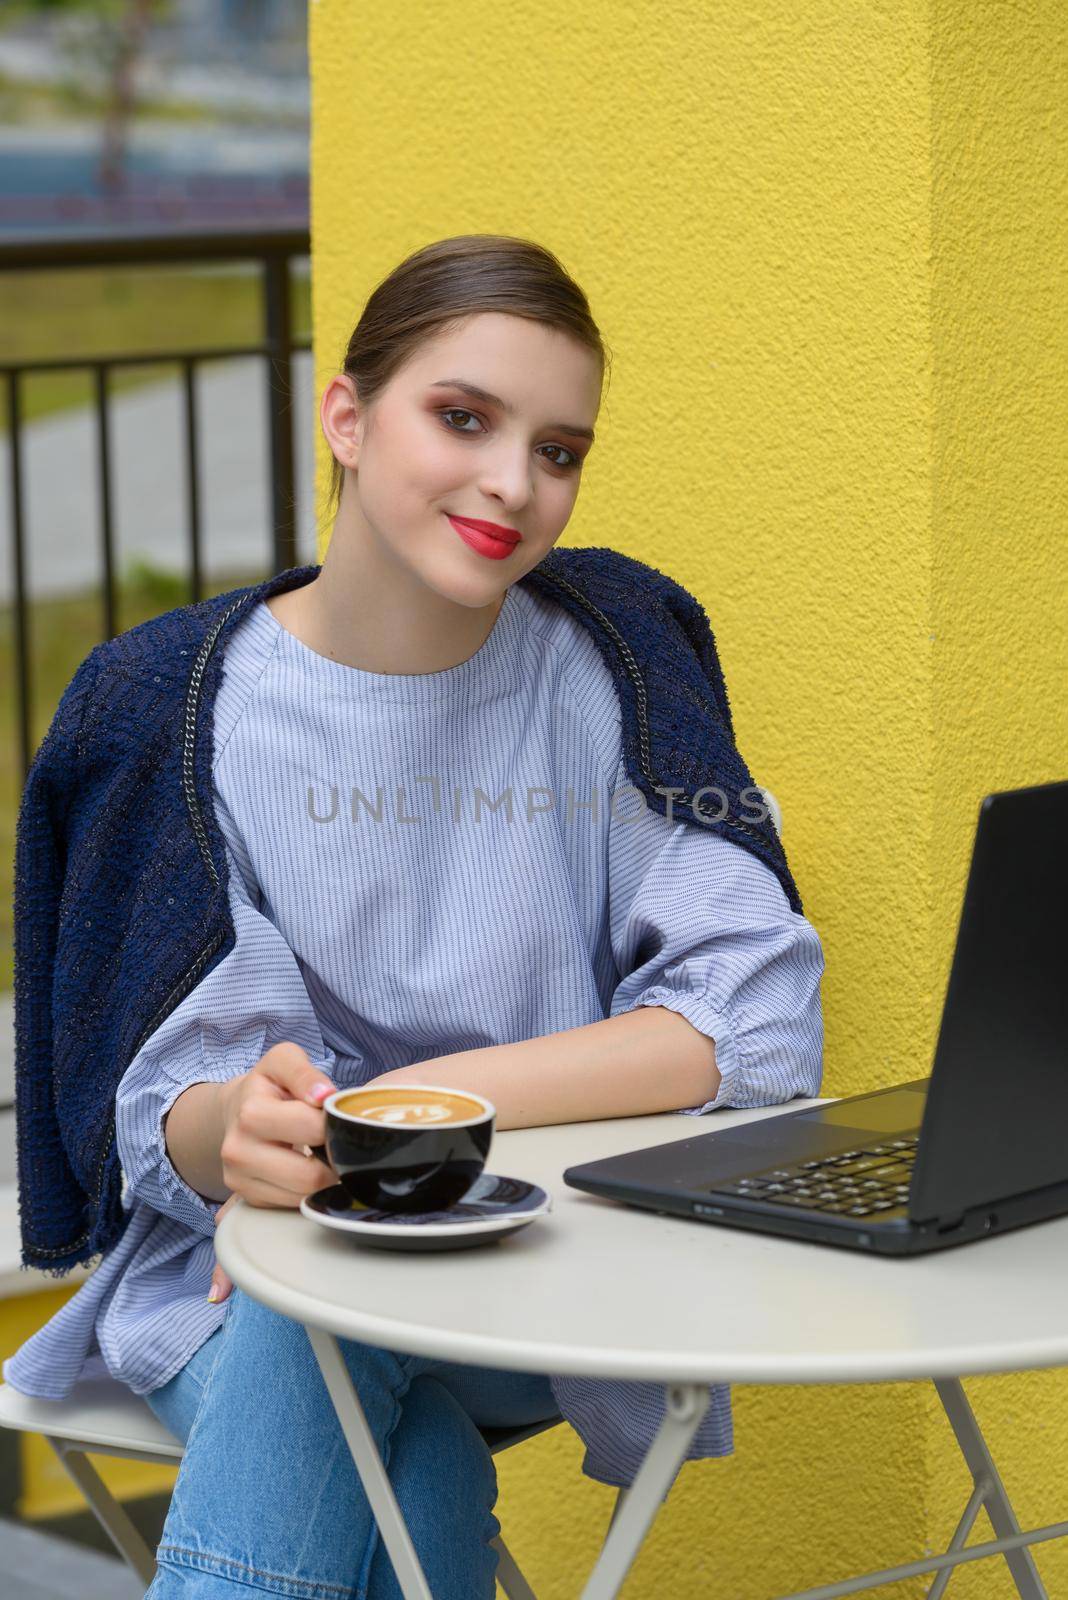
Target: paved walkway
<point>37,1566</point>
<point>61,492</point>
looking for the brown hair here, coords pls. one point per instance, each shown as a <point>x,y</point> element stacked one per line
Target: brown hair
<point>448,281</point>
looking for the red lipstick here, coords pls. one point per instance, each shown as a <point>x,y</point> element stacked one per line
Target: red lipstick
<point>488,538</point>
<point>497,530</point>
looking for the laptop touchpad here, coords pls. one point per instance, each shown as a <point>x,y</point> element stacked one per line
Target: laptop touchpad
<point>887,1112</point>
<point>773,1141</point>
<point>824,1131</point>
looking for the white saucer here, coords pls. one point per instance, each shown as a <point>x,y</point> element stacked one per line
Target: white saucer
<point>494,1205</point>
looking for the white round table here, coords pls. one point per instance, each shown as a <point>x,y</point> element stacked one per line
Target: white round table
<point>600,1289</point>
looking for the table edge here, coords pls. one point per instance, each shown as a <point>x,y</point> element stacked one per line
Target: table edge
<point>562,1360</point>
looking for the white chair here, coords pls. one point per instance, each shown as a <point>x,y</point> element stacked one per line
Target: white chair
<point>103,1416</point>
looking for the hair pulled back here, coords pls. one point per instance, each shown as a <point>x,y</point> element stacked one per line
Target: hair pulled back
<point>445,282</point>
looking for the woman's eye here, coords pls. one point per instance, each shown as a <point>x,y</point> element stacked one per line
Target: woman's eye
<point>574,461</point>
<point>458,411</point>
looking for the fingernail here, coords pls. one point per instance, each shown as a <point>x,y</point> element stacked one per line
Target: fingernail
<point>319,1093</point>
<point>213,1293</point>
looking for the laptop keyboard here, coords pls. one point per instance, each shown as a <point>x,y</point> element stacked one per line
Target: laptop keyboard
<point>853,1183</point>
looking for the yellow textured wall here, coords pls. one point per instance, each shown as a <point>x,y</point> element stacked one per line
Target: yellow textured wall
<point>823,243</point>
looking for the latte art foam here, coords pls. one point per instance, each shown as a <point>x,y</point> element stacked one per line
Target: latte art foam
<point>411,1108</point>
<point>413,1113</point>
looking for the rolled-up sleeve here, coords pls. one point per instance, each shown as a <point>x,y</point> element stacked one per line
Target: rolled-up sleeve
<point>253,999</point>
<point>701,926</point>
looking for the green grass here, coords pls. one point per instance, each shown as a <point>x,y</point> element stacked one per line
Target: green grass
<point>63,631</point>
<point>82,311</point>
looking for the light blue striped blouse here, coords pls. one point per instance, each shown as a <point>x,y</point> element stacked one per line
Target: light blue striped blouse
<point>421,864</point>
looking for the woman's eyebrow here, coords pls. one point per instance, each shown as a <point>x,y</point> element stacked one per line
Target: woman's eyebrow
<point>476,393</point>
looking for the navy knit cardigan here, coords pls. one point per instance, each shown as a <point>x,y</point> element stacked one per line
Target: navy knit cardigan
<point>121,903</point>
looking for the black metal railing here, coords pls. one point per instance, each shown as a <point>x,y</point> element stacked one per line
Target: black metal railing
<point>273,251</point>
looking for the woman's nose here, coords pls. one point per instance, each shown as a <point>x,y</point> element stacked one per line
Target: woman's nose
<point>507,478</point>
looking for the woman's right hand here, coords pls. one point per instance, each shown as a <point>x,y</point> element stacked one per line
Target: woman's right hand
<point>269,1114</point>
<point>266,1112</point>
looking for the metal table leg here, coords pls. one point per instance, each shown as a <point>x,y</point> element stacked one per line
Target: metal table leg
<point>636,1507</point>
<point>989,1492</point>
<point>974,1449</point>
<point>376,1484</point>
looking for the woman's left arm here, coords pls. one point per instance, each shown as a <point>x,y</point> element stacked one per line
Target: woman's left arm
<point>626,1066</point>
<point>718,1003</point>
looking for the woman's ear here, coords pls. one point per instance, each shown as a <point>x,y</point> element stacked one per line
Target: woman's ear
<point>340,419</point>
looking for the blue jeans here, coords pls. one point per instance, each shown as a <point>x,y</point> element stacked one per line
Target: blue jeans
<point>268,1498</point>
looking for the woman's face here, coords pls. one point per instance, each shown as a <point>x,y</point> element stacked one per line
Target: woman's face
<point>428,449</point>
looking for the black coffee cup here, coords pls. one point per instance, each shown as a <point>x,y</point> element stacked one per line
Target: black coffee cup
<point>407,1146</point>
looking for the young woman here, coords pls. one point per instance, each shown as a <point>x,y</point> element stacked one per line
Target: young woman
<point>267,844</point>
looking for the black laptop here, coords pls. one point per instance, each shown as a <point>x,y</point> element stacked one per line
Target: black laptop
<point>978,1147</point>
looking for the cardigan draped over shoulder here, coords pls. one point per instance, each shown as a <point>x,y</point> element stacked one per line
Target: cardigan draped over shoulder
<point>121,870</point>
